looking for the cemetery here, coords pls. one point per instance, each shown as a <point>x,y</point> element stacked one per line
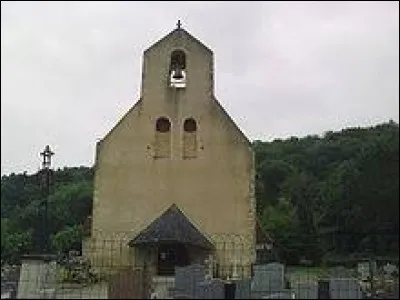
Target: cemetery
<point>273,280</point>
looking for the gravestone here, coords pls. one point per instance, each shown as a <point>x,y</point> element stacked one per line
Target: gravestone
<point>210,289</point>
<point>324,289</point>
<point>344,288</point>
<point>38,277</point>
<point>186,279</point>
<point>242,289</point>
<point>9,281</point>
<point>267,279</point>
<point>305,290</point>
<point>365,268</point>
<point>390,270</point>
<point>230,290</point>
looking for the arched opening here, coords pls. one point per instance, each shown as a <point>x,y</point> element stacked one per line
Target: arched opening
<point>178,59</point>
<point>162,147</point>
<point>177,69</point>
<point>163,125</point>
<point>189,138</point>
<point>190,125</point>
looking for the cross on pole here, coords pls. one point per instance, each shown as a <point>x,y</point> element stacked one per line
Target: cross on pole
<point>47,154</point>
<point>179,24</point>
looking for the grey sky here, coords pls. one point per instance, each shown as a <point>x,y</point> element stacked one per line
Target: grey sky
<point>70,71</point>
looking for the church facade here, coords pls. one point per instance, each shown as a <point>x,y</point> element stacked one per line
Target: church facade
<point>174,179</point>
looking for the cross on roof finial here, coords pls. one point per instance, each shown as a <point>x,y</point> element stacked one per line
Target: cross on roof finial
<point>179,24</point>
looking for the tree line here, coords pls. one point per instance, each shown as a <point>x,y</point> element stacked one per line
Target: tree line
<point>335,195</point>
<point>317,197</point>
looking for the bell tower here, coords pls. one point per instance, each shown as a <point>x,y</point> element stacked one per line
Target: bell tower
<point>177,69</point>
<point>177,63</point>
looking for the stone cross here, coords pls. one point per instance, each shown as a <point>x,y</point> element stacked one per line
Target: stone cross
<point>210,266</point>
<point>235,274</point>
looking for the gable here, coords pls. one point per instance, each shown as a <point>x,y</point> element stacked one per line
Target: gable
<point>172,227</point>
<point>177,34</point>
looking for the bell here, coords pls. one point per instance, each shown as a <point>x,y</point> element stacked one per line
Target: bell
<point>177,73</point>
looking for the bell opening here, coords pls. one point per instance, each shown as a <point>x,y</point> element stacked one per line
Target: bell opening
<point>177,69</point>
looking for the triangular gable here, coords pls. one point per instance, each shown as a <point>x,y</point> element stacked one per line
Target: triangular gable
<point>177,32</point>
<point>172,227</point>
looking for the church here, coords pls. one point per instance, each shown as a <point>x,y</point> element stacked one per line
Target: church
<point>174,178</point>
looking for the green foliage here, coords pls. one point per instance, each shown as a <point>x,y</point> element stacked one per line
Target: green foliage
<point>13,242</point>
<point>69,205</point>
<point>77,270</point>
<point>22,199</point>
<point>271,175</point>
<point>336,194</point>
<point>68,239</point>
<point>281,220</point>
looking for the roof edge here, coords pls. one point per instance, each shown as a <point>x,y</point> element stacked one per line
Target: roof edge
<point>247,140</point>
<point>120,121</point>
<point>176,30</point>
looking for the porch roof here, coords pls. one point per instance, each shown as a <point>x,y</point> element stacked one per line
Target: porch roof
<point>172,227</point>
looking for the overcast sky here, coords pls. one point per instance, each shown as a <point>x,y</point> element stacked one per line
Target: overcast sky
<point>70,71</point>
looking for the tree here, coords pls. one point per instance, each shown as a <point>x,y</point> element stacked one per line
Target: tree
<point>13,243</point>
<point>68,239</point>
<point>69,205</point>
<point>271,174</point>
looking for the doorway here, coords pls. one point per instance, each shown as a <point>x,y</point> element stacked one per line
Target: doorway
<point>170,256</point>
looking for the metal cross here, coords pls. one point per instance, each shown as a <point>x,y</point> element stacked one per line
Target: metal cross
<point>179,24</point>
<point>47,153</point>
